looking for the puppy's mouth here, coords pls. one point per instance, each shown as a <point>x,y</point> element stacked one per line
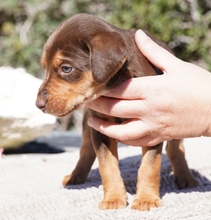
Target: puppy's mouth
<point>61,108</point>
<point>62,114</point>
<point>59,112</point>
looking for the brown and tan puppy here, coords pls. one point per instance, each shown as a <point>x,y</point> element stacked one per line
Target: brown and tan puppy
<point>83,58</point>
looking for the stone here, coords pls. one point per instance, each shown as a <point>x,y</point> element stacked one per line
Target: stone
<point>20,120</point>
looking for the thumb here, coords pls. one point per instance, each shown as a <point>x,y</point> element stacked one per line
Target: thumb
<point>157,55</point>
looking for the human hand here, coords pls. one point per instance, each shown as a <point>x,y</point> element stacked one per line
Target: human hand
<point>170,106</point>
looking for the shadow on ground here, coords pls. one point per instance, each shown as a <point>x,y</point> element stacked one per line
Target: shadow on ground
<point>129,167</point>
<point>34,148</point>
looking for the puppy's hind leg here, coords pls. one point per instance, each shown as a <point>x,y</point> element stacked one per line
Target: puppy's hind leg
<point>176,154</point>
<point>87,157</point>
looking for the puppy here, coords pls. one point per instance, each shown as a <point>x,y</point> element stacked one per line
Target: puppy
<point>83,58</point>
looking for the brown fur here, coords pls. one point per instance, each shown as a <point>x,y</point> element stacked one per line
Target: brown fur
<point>102,56</point>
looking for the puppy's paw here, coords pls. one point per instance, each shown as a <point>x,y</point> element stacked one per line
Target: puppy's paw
<point>144,204</point>
<point>112,204</point>
<point>73,179</point>
<point>186,181</point>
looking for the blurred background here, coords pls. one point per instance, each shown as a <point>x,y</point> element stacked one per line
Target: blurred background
<point>185,25</point>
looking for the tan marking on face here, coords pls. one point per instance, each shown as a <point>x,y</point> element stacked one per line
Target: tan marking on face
<point>57,59</point>
<point>64,97</point>
<point>43,59</point>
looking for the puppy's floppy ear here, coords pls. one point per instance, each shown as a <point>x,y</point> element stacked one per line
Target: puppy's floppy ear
<point>108,54</point>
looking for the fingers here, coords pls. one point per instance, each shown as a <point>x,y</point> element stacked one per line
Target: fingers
<point>135,88</point>
<point>157,55</point>
<point>133,132</point>
<point>145,141</point>
<point>131,129</point>
<point>127,90</point>
<point>119,108</point>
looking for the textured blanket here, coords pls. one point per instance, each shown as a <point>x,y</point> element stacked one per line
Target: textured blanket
<point>30,187</point>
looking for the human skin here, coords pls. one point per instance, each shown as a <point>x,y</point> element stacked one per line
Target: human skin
<point>174,105</point>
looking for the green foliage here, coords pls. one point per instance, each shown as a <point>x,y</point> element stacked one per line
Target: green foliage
<point>183,24</point>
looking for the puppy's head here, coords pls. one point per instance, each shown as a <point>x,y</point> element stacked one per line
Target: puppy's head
<point>80,57</point>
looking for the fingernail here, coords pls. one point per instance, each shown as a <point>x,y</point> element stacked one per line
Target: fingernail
<point>141,35</point>
<point>90,121</point>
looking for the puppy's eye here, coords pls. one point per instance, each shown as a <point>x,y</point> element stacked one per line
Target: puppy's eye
<point>66,69</point>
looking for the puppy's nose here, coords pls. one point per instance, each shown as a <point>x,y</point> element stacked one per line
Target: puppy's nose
<point>41,99</point>
<point>41,103</point>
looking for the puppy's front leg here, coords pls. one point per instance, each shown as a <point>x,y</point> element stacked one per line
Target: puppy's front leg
<point>113,185</point>
<point>87,157</point>
<point>148,184</point>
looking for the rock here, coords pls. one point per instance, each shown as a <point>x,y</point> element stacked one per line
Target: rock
<point>20,120</point>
